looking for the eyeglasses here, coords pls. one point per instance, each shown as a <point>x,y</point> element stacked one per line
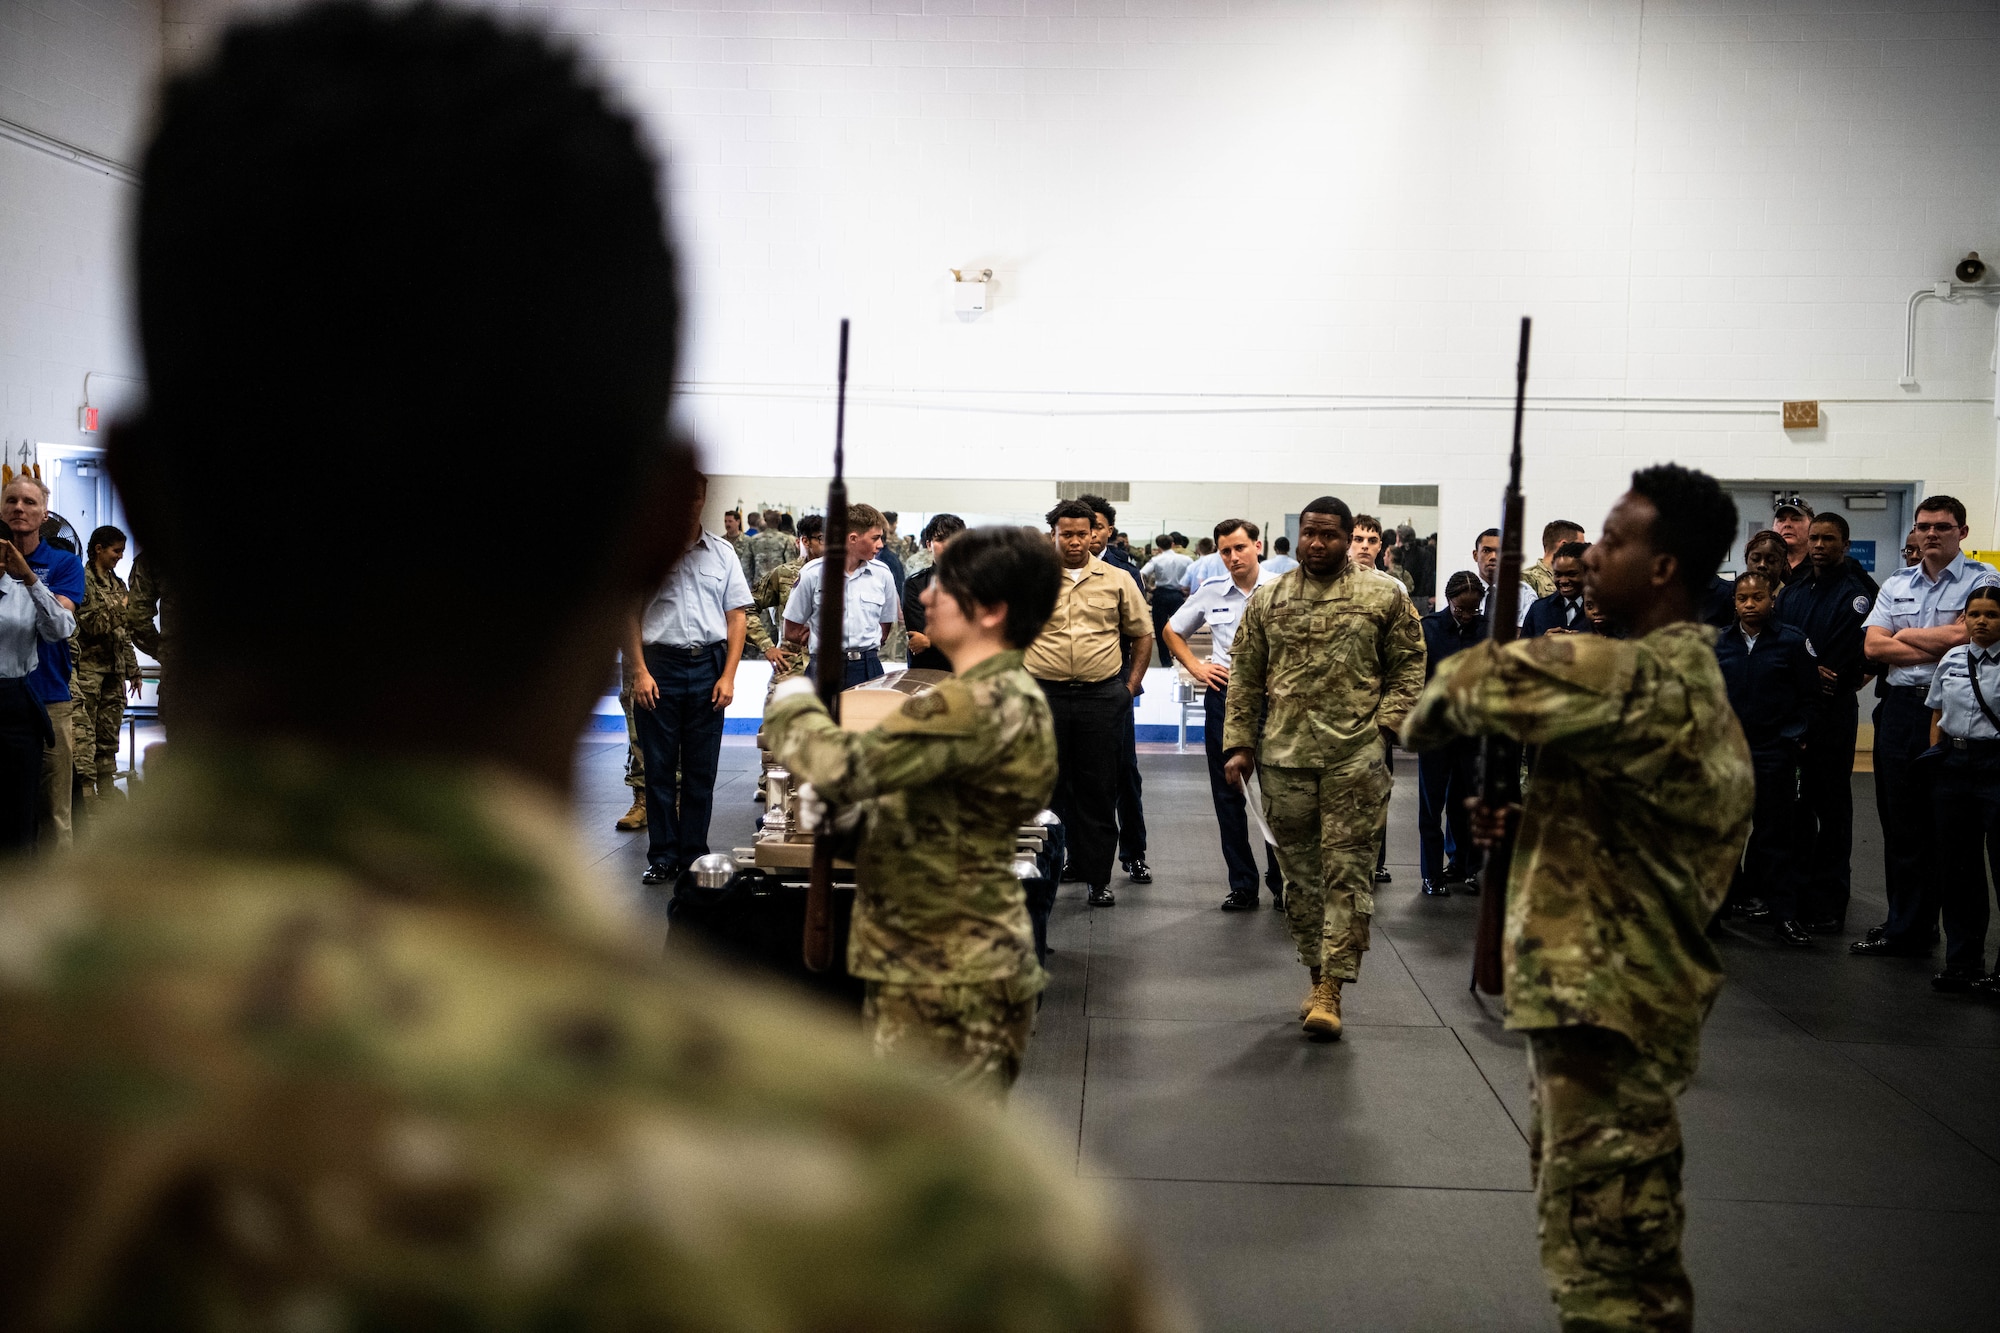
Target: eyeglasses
<point>1936,527</point>
<point>1909,550</point>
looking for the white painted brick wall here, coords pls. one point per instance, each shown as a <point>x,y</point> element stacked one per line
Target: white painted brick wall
<point>1707,206</point>
<point>79,71</point>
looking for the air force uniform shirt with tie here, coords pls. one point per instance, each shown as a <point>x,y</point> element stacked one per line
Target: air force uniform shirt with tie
<point>1219,604</point>
<point>1556,612</point>
<point>1486,601</point>
<point>1911,598</point>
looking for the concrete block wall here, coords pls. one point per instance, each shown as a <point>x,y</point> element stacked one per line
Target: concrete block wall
<point>1287,241</point>
<point>81,73</point>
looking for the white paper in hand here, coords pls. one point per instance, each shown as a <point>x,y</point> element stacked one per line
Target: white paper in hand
<point>1253,798</point>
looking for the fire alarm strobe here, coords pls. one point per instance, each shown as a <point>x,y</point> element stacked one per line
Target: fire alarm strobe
<point>968,290</point>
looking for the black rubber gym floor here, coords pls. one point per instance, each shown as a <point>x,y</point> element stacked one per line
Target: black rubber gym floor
<point>1843,1136</point>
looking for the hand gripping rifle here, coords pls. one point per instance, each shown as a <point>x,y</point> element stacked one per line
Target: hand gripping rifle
<point>830,668</point>
<point>1500,758</point>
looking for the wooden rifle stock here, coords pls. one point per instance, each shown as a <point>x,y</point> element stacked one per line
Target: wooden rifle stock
<point>830,668</point>
<point>1500,757</point>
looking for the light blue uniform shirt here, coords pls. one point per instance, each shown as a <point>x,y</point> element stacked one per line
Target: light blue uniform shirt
<point>1166,569</point>
<point>1201,571</point>
<point>1280,564</point>
<point>1951,691</point>
<point>29,618</point>
<point>692,608</point>
<point>1219,604</point>
<point>1911,599</point>
<point>870,603</point>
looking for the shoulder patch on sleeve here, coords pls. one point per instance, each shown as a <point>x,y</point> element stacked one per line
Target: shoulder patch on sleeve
<point>948,710</point>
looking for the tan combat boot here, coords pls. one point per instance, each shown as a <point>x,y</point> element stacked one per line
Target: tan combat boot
<point>1324,1019</point>
<point>1306,1005</point>
<point>635,818</point>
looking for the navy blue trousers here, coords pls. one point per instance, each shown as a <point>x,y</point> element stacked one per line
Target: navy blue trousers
<point>858,670</point>
<point>1826,810</point>
<point>1967,804</point>
<point>1903,800</point>
<point>1446,779</point>
<point>1231,816</point>
<point>681,737</point>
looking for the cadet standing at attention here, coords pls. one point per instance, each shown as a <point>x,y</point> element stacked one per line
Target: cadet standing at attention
<point>1326,661</point>
<point>941,932</point>
<point>332,1029</point>
<point>106,668</point>
<point>1637,813</point>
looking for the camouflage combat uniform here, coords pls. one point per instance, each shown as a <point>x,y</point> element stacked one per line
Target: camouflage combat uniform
<point>1539,577</point>
<point>740,544</point>
<point>772,592</point>
<point>1639,809</point>
<point>149,615</point>
<point>940,931</point>
<point>769,549</point>
<point>102,651</point>
<point>635,758</point>
<point>1316,668</point>
<point>349,1042</point>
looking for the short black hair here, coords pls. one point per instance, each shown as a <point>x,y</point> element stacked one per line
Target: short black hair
<point>103,537</point>
<point>1570,551</point>
<point>890,515</point>
<point>1180,538</point>
<point>1948,504</point>
<point>1327,504</point>
<point>1229,525</point>
<point>941,526</point>
<point>1766,537</point>
<point>1072,509</point>
<point>1004,564</point>
<point>1553,530</point>
<point>1696,521</point>
<point>785,524</point>
<point>446,242</point>
<point>1837,520</point>
<point>812,525</point>
<point>1754,576</point>
<point>1282,545</point>
<point>1463,581</point>
<point>1985,592</point>
<point>1367,521</point>
<point>1490,532</point>
<point>1099,505</point>
<point>1163,542</point>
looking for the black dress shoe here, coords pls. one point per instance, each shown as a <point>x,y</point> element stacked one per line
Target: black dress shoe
<point>1071,875</point>
<point>1988,985</point>
<point>1469,886</point>
<point>1955,983</point>
<point>1240,900</point>
<point>1825,925</point>
<point>660,874</point>
<point>1139,871</point>
<point>1877,932</point>
<point>1884,947</point>
<point>1382,875</point>
<point>1101,896</point>
<point>1438,890</point>
<point>1792,933</point>
<point>1753,909</point>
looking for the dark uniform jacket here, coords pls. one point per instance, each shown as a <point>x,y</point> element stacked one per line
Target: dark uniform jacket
<point>917,621</point>
<point>1828,609</point>
<point>1718,604</point>
<point>1551,613</point>
<point>1771,687</point>
<point>1443,636</point>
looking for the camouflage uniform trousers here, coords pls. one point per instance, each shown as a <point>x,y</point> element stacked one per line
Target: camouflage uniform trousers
<point>974,1035</point>
<point>96,721</point>
<point>795,662</point>
<point>1605,1149</point>
<point>635,762</point>
<point>1328,823</point>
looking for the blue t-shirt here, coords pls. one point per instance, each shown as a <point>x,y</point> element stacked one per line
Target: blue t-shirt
<point>63,573</point>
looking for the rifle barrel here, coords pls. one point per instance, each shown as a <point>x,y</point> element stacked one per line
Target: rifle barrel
<point>830,666</point>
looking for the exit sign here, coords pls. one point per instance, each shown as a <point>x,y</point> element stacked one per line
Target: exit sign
<point>1802,415</point>
<point>87,420</point>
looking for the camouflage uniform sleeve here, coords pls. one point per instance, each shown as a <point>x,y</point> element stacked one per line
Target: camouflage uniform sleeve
<point>1249,655</point>
<point>1532,690</point>
<point>98,617</point>
<point>932,736</point>
<point>1402,665</point>
<point>142,608</point>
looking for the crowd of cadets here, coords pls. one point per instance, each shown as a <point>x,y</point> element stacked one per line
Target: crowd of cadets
<point>1801,633</point>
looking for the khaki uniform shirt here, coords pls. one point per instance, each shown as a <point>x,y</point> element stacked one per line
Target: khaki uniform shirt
<point>1636,814</point>
<point>1094,615</point>
<point>947,780</point>
<point>1318,665</point>
<point>304,1040</point>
